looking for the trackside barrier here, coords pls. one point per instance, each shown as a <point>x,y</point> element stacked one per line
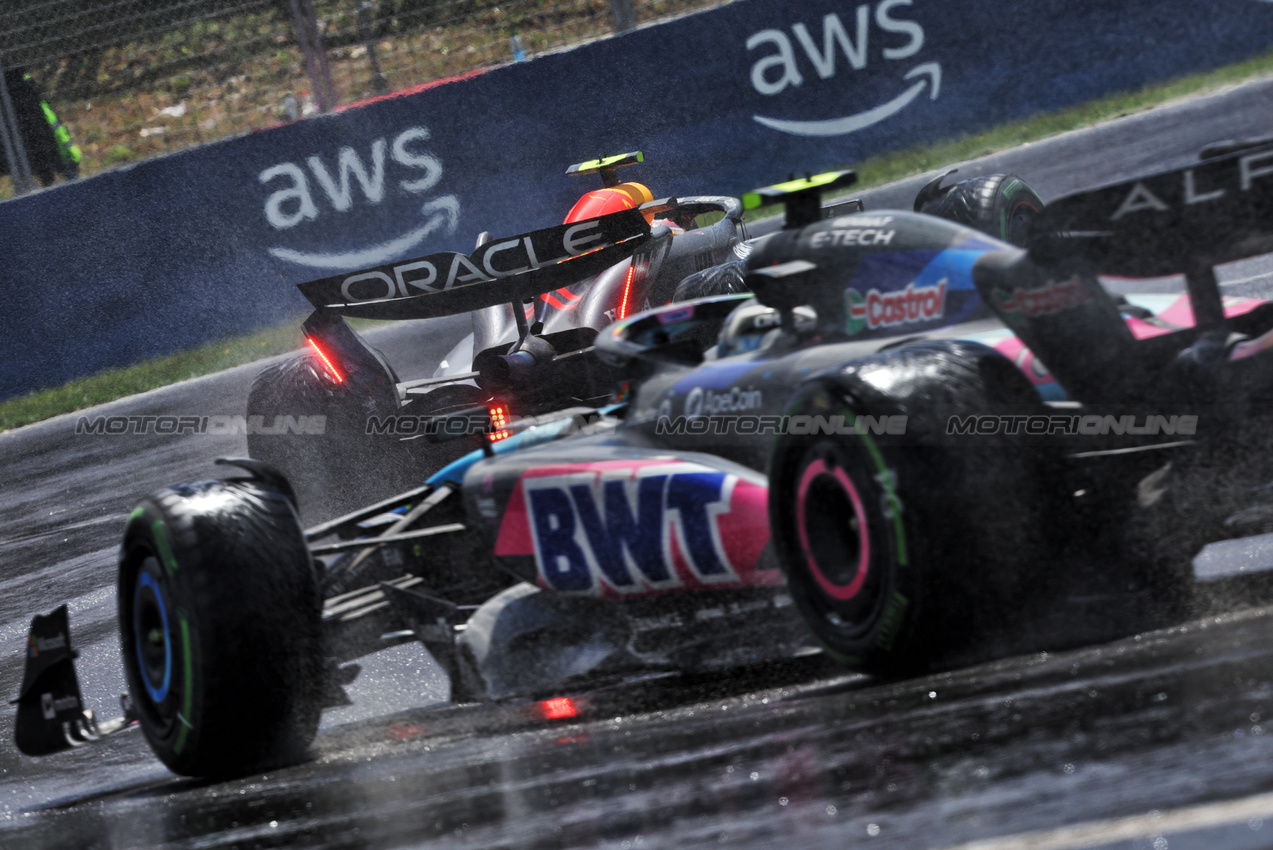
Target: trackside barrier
<point>209,242</point>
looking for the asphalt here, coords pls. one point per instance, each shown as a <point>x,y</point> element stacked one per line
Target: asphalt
<point>1156,740</point>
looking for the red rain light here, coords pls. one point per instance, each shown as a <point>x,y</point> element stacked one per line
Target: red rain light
<point>560,708</point>
<point>335,373</point>
<point>499,422</point>
<point>627,290</point>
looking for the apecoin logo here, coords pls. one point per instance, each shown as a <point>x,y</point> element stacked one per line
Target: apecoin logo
<point>780,67</point>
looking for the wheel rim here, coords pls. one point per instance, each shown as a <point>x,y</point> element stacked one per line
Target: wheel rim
<point>843,562</point>
<point>152,641</point>
<point>1018,222</point>
<point>838,553</point>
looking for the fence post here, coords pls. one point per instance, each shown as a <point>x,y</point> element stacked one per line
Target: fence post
<point>364,31</point>
<point>15,152</point>
<point>311,44</point>
<point>623,17</point>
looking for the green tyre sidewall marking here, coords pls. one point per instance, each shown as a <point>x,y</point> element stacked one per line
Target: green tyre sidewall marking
<point>187,699</point>
<point>160,534</point>
<point>891,619</point>
<point>886,478</point>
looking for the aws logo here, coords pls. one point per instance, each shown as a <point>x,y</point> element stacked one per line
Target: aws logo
<point>351,181</point>
<point>838,47</point>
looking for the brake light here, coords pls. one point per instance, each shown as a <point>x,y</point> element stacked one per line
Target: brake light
<point>561,708</point>
<point>627,291</point>
<point>331,367</point>
<point>499,422</point>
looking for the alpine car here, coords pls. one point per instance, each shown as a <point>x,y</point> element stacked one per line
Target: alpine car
<point>833,443</point>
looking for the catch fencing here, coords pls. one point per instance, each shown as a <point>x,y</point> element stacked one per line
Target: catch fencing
<point>137,78</point>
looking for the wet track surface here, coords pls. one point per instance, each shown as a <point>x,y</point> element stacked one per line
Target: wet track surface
<point>1156,740</point>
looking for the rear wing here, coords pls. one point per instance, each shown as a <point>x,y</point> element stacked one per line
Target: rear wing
<point>1184,221</point>
<point>498,272</point>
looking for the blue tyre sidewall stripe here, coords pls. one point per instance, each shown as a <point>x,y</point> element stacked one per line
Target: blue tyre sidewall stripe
<point>144,580</point>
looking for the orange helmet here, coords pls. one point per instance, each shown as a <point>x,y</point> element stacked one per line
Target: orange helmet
<point>624,196</point>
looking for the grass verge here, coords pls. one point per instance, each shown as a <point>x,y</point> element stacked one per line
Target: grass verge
<point>161,371</point>
<point>896,165</point>
<point>148,375</point>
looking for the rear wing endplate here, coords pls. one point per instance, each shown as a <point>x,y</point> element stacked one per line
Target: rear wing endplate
<point>498,272</point>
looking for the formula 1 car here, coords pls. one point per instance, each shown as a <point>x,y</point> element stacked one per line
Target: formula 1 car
<point>524,356</point>
<point>837,427</point>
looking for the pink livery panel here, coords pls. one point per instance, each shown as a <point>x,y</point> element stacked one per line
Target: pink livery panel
<point>638,527</point>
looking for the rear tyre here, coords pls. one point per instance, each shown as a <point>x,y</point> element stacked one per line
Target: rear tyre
<point>1001,205</point>
<point>847,566</point>
<point>337,466</point>
<point>219,616</point>
<point>905,550</point>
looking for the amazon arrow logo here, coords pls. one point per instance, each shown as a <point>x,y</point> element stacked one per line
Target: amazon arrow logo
<point>302,193</point>
<point>779,69</point>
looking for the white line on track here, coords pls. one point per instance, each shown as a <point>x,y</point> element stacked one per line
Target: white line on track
<point>1149,825</point>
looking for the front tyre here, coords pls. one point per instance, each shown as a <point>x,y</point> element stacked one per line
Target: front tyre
<point>905,548</point>
<point>219,616</point>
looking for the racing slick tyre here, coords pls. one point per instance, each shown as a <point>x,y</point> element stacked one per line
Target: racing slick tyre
<point>1001,205</point>
<point>219,617</point>
<point>903,548</point>
<point>334,464</point>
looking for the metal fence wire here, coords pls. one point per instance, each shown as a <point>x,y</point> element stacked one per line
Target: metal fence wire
<point>135,78</point>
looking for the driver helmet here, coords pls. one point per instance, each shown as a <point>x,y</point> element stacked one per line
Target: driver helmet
<point>624,196</point>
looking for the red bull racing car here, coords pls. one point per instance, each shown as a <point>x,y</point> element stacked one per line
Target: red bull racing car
<point>838,458</point>
<point>526,355</point>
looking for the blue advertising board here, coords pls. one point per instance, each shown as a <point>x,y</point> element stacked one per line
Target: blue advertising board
<point>210,242</point>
